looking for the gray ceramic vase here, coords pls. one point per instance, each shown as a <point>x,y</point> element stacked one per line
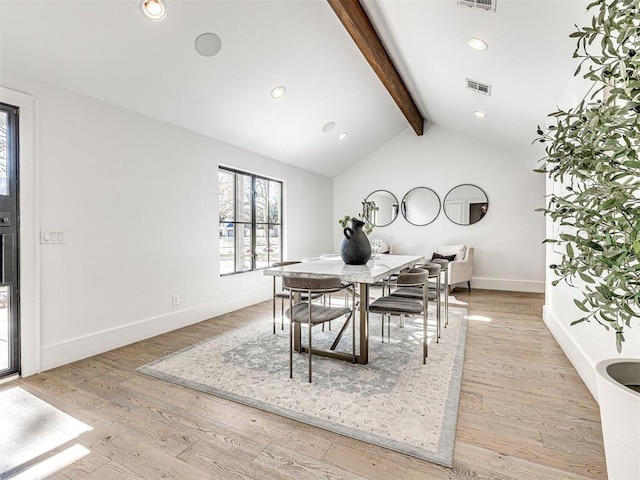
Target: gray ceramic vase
<point>355,248</point>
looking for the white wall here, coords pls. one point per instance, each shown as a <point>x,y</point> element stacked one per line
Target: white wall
<point>509,252</point>
<point>137,201</point>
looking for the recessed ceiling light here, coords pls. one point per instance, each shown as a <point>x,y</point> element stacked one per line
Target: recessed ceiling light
<point>478,44</point>
<point>208,44</point>
<point>328,126</point>
<point>156,10</point>
<point>278,91</point>
<point>480,114</point>
<point>342,136</point>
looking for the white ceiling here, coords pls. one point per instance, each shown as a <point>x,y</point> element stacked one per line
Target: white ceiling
<point>107,49</point>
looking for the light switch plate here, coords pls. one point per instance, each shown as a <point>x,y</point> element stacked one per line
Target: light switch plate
<point>52,237</point>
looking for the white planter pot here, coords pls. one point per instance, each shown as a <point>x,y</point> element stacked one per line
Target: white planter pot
<point>620,415</point>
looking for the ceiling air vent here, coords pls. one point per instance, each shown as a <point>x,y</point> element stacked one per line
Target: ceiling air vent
<point>478,87</point>
<point>483,4</point>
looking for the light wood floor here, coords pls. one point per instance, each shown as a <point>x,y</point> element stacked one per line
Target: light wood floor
<point>524,413</point>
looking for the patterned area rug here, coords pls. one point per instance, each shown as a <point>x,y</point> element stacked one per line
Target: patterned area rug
<point>395,401</point>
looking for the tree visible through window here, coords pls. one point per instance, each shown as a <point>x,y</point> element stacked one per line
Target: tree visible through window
<point>250,218</point>
<point>4,190</point>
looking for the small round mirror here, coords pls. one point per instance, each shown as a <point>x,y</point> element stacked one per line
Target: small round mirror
<point>384,209</point>
<point>420,206</point>
<point>466,204</point>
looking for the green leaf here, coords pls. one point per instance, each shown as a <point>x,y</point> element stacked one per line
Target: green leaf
<point>586,278</point>
<point>580,305</point>
<point>595,246</point>
<point>628,309</point>
<point>577,70</point>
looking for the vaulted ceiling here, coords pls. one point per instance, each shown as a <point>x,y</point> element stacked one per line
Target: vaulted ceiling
<point>108,50</point>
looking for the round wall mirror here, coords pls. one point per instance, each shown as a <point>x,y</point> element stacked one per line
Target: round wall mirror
<point>386,207</point>
<point>420,206</point>
<point>466,204</point>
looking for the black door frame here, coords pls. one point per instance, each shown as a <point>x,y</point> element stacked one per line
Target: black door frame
<point>10,240</point>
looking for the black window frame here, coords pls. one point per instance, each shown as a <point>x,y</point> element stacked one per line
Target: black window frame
<point>254,223</point>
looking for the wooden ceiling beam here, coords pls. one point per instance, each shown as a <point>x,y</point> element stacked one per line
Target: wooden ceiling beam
<point>355,19</point>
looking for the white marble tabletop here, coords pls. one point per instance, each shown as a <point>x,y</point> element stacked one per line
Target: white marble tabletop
<point>375,270</point>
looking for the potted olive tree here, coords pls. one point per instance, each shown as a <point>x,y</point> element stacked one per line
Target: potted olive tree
<point>592,150</point>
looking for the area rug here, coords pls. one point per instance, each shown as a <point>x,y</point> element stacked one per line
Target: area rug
<point>394,401</point>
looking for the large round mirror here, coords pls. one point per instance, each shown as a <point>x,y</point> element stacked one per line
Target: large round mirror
<point>382,207</point>
<point>420,206</point>
<point>466,204</point>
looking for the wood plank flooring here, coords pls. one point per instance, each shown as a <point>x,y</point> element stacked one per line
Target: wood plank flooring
<point>524,413</point>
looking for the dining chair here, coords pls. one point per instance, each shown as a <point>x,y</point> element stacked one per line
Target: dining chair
<point>444,269</point>
<point>433,293</point>
<point>312,314</point>
<point>415,279</point>
<point>283,294</point>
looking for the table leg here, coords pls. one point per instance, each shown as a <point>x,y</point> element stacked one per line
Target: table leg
<point>446,298</point>
<point>438,309</point>
<point>363,358</point>
<point>297,331</point>
<point>296,337</point>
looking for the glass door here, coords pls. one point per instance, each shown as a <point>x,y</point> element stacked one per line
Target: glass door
<point>9,228</point>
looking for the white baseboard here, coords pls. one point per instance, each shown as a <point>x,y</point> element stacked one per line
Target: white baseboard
<point>82,347</point>
<point>532,286</point>
<point>572,350</point>
<point>75,349</point>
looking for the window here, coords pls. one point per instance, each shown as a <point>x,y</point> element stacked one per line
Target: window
<point>250,216</point>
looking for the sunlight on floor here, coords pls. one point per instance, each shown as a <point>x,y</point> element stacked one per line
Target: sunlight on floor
<point>31,430</point>
<point>51,465</point>
<point>479,318</point>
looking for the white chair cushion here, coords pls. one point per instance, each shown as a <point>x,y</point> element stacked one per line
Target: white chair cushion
<point>384,248</point>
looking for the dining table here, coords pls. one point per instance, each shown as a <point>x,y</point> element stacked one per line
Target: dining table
<point>374,271</point>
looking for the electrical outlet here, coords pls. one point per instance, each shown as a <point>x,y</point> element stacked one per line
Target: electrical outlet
<point>175,300</point>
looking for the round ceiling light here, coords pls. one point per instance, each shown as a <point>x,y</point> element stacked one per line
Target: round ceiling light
<point>328,126</point>
<point>278,91</point>
<point>478,44</point>
<point>342,136</point>
<point>208,44</point>
<point>480,114</point>
<point>155,10</point>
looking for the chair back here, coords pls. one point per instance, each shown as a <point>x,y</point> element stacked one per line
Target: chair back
<point>469,255</point>
<point>413,276</point>
<point>432,268</point>
<point>312,284</point>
